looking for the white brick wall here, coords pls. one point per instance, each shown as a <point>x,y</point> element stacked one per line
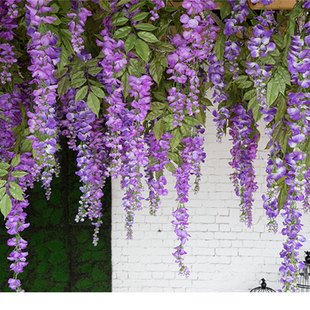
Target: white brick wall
<point>223,254</point>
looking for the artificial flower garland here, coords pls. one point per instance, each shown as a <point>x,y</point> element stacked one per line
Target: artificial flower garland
<point>125,82</point>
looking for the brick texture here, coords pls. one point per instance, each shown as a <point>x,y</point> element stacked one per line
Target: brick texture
<point>223,254</point>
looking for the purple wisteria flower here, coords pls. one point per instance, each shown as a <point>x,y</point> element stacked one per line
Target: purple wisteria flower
<point>192,156</point>
<point>86,136</point>
<point>297,179</point>
<point>158,158</point>
<point>192,48</point>
<point>244,152</point>
<point>15,220</point>
<point>298,59</point>
<point>43,122</point>
<point>259,46</point>
<point>232,27</point>
<point>216,73</point>
<point>76,27</point>
<point>8,22</point>
<point>134,154</point>
<point>158,4</point>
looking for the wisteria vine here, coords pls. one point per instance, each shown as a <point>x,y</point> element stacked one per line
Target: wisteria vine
<point>125,83</point>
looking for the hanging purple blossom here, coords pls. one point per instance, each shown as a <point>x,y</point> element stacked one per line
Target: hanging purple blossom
<point>244,152</point>
<point>86,137</point>
<point>158,4</point>
<point>232,26</point>
<point>158,158</point>
<point>76,27</point>
<point>43,123</point>
<point>192,156</point>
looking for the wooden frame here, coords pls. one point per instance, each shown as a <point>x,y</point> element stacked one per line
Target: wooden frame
<point>276,5</point>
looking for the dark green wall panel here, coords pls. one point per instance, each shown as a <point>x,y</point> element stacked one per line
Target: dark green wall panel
<point>61,256</point>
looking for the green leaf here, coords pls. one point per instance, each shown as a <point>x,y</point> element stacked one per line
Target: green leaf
<point>122,32</point>
<point>2,191</point>
<point>160,95</point>
<point>140,16</point>
<point>130,42</point>
<point>122,2</point>
<point>2,183</point>
<point>145,26</point>
<point>157,68</point>
<point>5,205</point>
<point>93,103</point>
<point>16,160</point>
<point>219,47</point>
<point>63,85</point>
<point>272,92</point>
<point>4,165</point>
<point>296,11</point>
<point>225,9</point>
<point>249,94</point>
<point>165,46</point>
<point>157,105</point>
<point>92,62</point>
<point>191,121</point>
<point>281,108</point>
<point>282,196</point>
<point>206,102</point>
<point>98,92</point>
<point>80,95</point>
<point>278,40</point>
<point>16,191</point>
<point>153,114</point>
<point>120,21</point>
<point>124,80</point>
<point>278,132</point>
<point>61,72</point>
<point>256,113</point>
<point>18,174</point>
<point>285,75</point>
<point>283,142</point>
<point>253,103</point>
<point>245,84</point>
<point>78,83</point>
<point>105,5</point>
<point>269,60</point>
<point>94,70</point>
<point>158,129</point>
<point>174,157</point>
<point>201,116</point>
<point>147,36</point>
<point>142,50</point>
<point>137,6</point>
<point>26,146</point>
<point>77,75</point>
<point>170,167</point>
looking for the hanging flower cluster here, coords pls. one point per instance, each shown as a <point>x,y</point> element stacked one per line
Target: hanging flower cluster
<point>192,156</point>
<point>158,158</point>
<point>243,152</point>
<point>232,27</point>
<point>158,4</point>
<point>129,98</point>
<point>76,26</point>
<point>8,14</point>
<point>85,137</point>
<point>43,123</point>
<point>260,46</point>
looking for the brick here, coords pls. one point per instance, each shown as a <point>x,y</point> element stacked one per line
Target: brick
<point>223,254</point>
<point>225,235</point>
<point>226,252</point>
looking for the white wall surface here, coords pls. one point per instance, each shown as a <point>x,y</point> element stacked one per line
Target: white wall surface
<point>223,254</point>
